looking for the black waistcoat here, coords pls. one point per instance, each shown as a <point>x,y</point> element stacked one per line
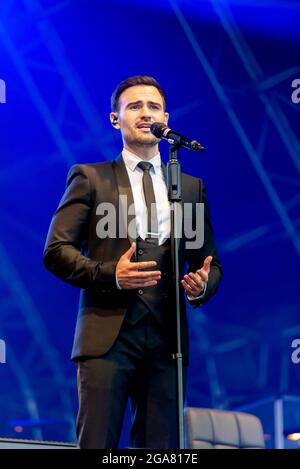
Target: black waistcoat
<point>155,300</point>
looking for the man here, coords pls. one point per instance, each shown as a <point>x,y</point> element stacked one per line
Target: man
<point>125,331</point>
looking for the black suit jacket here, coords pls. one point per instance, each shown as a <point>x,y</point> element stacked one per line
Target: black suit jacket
<point>75,253</point>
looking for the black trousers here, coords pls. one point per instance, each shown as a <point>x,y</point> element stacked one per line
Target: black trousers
<point>139,366</point>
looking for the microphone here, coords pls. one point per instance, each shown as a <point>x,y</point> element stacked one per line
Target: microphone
<point>160,130</point>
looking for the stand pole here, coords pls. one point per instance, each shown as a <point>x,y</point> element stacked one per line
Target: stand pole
<point>174,196</point>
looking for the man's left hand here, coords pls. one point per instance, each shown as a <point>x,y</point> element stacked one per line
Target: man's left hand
<point>194,283</point>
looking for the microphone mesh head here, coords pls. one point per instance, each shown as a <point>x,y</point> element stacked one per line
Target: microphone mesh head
<point>157,128</point>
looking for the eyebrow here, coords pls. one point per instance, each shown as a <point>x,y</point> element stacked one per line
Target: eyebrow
<point>140,102</point>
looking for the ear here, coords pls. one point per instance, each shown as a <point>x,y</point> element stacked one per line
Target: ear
<point>114,120</point>
<point>166,120</point>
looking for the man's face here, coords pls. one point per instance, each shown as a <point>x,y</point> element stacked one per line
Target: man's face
<point>139,107</point>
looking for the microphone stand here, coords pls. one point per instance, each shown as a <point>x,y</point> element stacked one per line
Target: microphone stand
<point>174,196</point>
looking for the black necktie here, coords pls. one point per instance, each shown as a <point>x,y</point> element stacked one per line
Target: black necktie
<point>152,227</point>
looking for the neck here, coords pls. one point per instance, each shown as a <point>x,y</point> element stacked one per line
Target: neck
<point>146,152</point>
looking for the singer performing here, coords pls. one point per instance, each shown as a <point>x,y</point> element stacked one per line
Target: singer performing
<point>124,339</point>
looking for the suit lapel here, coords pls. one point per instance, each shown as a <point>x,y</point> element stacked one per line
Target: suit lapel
<point>125,200</point>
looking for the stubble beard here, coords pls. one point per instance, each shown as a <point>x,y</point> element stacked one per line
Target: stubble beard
<point>150,141</point>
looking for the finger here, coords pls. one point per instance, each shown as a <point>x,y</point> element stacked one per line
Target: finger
<point>142,265</point>
<point>137,279</point>
<point>191,291</point>
<point>188,288</point>
<point>150,284</point>
<point>206,263</point>
<point>206,266</point>
<point>147,283</point>
<point>185,285</point>
<point>145,275</point>
<point>191,288</point>
<point>197,279</point>
<point>133,285</point>
<point>129,253</point>
<point>189,281</point>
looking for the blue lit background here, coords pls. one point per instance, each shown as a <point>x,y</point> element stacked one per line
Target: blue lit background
<point>227,67</point>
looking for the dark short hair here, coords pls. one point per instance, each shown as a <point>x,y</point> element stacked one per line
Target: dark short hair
<point>133,81</point>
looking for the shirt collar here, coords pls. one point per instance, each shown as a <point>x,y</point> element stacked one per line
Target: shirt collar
<point>131,160</point>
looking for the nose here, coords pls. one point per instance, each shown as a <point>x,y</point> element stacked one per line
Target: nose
<point>145,112</point>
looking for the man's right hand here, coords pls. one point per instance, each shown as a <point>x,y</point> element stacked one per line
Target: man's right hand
<point>129,274</point>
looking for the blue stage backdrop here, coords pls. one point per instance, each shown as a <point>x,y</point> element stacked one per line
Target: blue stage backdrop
<point>230,70</point>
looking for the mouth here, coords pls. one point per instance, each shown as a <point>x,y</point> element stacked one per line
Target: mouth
<point>144,126</point>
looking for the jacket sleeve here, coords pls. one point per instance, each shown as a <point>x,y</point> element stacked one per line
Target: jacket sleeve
<point>67,233</point>
<point>196,257</point>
